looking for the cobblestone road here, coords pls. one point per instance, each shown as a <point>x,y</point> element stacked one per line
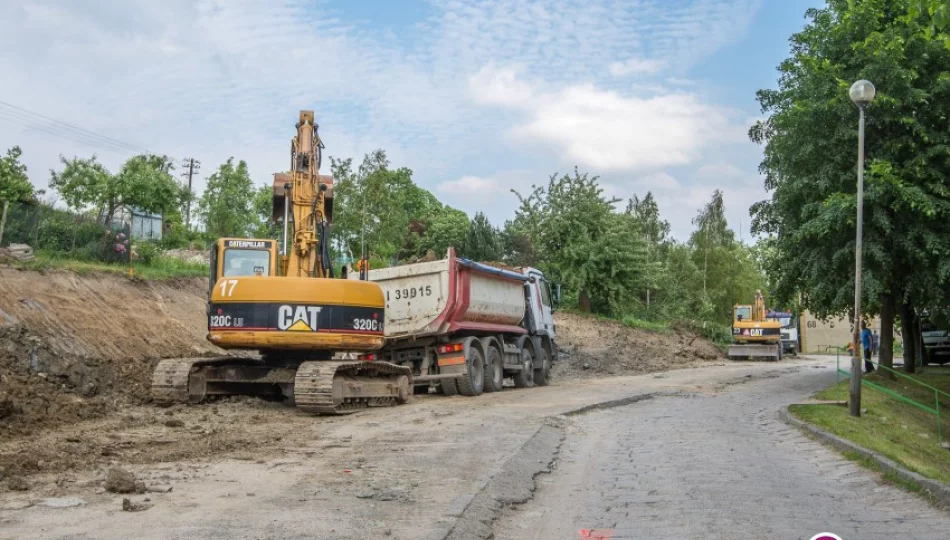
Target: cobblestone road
<point>714,466</point>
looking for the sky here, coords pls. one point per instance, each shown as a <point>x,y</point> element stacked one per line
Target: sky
<point>478,98</point>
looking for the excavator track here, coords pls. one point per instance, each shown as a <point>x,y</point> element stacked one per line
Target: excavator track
<point>335,387</point>
<point>172,382</point>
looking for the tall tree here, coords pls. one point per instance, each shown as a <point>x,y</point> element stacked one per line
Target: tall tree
<point>14,183</point>
<point>227,204</point>
<point>482,240</point>
<point>656,231</point>
<point>811,172</point>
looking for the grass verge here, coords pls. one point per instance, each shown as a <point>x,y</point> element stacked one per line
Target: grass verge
<point>895,429</point>
<point>159,268</point>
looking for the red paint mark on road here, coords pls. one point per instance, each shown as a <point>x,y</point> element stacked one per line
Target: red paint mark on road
<point>596,534</point>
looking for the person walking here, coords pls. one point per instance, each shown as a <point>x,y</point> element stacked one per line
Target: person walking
<point>866,345</point>
<point>875,344</point>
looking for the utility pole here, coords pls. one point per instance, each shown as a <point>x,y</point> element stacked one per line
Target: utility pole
<point>193,165</point>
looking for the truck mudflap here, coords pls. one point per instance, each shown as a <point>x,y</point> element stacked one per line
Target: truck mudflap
<point>749,351</point>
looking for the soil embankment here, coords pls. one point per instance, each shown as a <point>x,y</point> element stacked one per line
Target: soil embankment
<point>74,346</point>
<point>595,347</point>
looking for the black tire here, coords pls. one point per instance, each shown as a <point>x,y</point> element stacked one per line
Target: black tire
<point>542,375</point>
<point>448,387</point>
<point>525,377</point>
<point>473,383</point>
<point>779,357</point>
<point>494,370</point>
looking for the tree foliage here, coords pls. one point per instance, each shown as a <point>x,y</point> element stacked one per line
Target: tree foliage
<point>15,185</point>
<point>143,181</point>
<point>810,143</point>
<point>227,204</point>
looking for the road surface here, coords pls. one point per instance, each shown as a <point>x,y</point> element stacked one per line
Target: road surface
<point>699,455</point>
<point>714,466</point>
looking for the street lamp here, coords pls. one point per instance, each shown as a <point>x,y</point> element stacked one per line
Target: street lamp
<point>861,92</point>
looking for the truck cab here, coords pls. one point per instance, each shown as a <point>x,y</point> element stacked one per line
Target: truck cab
<point>540,302</point>
<point>789,324</point>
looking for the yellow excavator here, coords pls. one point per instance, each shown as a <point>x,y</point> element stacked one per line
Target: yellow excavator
<point>316,336</point>
<point>753,335</point>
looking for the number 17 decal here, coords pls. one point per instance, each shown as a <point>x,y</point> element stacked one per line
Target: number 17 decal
<point>227,287</point>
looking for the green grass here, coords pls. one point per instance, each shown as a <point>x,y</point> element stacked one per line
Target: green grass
<point>652,326</point>
<point>890,427</point>
<point>160,268</point>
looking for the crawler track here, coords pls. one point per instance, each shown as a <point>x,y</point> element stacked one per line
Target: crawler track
<point>346,387</point>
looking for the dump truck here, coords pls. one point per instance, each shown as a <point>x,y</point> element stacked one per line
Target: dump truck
<point>463,327</point>
<point>754,335</point>
<point>789,332</point>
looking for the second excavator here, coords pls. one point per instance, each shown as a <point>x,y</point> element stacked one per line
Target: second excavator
<point>316,336</point>
<point>753,334</point>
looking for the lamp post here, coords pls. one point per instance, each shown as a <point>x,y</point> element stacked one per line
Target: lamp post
<point>862,92</point>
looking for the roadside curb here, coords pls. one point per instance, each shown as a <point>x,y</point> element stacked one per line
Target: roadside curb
<point>937,489</point>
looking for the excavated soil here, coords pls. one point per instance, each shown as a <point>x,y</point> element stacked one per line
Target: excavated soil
<point>75,347</point>
<point>594,347</point>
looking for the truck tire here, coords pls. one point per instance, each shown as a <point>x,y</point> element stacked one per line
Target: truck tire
<point>473,382</point>
<point>525,377</point>
<point>494,369</point>
<point>448,387</point>
<point>542,375</point>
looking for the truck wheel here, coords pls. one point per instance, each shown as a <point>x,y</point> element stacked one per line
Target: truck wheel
<point>473,382</point>
<point>448,387</point>
<point>542,375</point>
<point>525,377</point>
<point>494,371</point>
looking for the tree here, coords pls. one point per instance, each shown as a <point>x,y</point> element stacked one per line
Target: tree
<point>811,173</point>
<point>227,204</point>
<point>655,231</point>
<point>482,240</point>
<point>14,183</point>
<point>729,272</point>
<point>448,229</point>
<point>597,254</point>
<point>144,182</point>
<point>263,203</point>
<point>384,207</point>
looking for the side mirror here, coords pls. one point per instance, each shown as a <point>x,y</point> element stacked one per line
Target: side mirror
<point>556,295</point>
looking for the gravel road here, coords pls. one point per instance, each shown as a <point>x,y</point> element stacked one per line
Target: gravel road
<point>700,457</point>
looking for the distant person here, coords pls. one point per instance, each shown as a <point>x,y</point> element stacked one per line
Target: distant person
<point>866,344</point>
<point>875,344</point>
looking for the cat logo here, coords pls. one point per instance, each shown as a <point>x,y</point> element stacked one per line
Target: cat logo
<point>298,318</point>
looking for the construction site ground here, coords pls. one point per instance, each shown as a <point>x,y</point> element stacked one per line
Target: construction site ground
<point>75,356</point>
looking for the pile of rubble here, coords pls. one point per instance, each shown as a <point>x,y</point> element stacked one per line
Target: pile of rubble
<point>16,252</point>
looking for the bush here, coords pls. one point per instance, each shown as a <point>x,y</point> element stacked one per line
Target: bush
<point>147,251</point>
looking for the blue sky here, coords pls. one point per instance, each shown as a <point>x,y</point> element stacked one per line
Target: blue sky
<point>477,97</point>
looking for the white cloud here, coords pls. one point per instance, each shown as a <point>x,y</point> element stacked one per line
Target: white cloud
<point>469,186</point>
<point>603,129</point>
<point>636,66</point>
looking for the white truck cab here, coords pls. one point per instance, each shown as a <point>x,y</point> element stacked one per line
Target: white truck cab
<point>540,303</point>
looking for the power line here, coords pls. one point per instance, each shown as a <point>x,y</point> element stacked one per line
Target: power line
<point>66,130</point>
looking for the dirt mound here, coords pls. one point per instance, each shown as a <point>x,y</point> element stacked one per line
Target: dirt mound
<point>592,347</point>
<point>74,346</point>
